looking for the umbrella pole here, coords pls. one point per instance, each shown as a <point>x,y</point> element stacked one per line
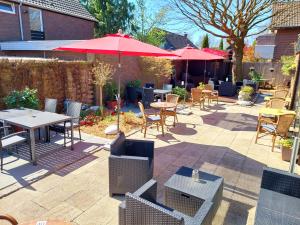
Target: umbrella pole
<point>185,82</point>
<point>119,91</point>
<point>204,71</point>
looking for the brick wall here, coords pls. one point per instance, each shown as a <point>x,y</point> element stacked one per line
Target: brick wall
<point>9,27</point>
<point>285,42</point>
<point>53,79</point>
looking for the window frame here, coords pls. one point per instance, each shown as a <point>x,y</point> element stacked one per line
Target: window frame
<point>12,6</point>
<point>41,17</point>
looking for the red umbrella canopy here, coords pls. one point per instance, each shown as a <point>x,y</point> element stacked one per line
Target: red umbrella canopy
<point>115,44</point>
<point>190,53</point>
<point>216,51</point>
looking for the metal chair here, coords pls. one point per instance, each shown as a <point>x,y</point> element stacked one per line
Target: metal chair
<point>11,140</point>
<point>73,110</point>
<point>9,219</point>
<point>197,97</point>
<point>172,112</point>
<point>149,85</point>
<point>149,119</point>
<point>130,164</point>
<point>50,105</point>
<point>147,97</point>
<point>279,128</point>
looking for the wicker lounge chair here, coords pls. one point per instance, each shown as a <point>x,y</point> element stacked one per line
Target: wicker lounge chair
<point>130,164</point>
<point>279,198</point>
<point>141,208</point>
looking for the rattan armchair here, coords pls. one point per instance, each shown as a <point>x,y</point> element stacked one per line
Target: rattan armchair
<point>214,96</point>
<point>197,97</point>
<point>172,112</point>
<point>281,94</point>
<point>276,103</point>
<point>130,164</point>
<point>9,219</point>
<point>142,208</point>
<point>279,128</point>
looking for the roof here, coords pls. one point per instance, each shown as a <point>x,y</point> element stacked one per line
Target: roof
<point>288,15</point>
<point>67,7</point>
<point>176,41</point>
<point>266,39</point>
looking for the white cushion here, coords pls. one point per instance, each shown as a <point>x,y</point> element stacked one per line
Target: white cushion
<point>12,141</point>
<point>112,129</point>
<point>153,118</point>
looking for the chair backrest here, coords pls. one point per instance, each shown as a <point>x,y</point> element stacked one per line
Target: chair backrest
<point>196,94</point>
<point>212,84</point>
<point>117,147</point>
<point>281,93</point>
<point>277,103</point>
<point>9,218</point>
<point>172,98</point>
<point>142,109</point>
<point>284,123</point>
<point>148,97</point>
<point>50,105</point>
<point>73,110</point>
<point>280,87</point>
<point>208,87</point>
<point>149,85</point>
<point>168,87</point>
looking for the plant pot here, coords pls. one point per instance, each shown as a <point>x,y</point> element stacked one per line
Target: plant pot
<point>113,104</point>
<point>286,153</point>
<point>244,96</point>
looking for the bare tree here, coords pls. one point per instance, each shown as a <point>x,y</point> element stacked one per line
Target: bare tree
<point>233,20</point>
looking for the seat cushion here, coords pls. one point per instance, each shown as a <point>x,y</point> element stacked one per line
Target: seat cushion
<point>12,141</point>
<point>153,118</point>
<point>269,127</point>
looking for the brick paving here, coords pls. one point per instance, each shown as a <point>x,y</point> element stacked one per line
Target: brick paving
<point>219,140</point>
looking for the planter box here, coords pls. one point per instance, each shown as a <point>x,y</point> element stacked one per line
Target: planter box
<point>286,153</point>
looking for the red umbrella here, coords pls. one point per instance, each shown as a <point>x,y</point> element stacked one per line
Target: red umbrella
<point>116,44</point>
<point>216,52</point>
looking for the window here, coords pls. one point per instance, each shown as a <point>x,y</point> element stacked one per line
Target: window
<point>7,7</point>
<point>35,19</point>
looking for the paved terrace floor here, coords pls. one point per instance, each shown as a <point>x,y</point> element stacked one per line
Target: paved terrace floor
<point>219,140</point>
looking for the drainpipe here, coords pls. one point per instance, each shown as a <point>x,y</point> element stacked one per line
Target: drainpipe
<point>20,20</point>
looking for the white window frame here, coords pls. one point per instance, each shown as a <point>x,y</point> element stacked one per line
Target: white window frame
<point>41,18</point>
<point>12,6</point>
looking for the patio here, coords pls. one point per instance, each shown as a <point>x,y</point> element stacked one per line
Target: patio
<point>74,186</point>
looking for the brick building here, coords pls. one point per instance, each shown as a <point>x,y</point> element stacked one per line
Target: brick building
<point>284,30</point>
<point>33,27</point>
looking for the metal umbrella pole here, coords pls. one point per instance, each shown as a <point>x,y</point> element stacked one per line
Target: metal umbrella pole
<point>185,82</point>
<point>204,71</point>
<point>119,92</point>
<point>294,154</point>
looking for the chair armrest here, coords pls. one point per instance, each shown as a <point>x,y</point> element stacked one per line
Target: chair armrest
<point>129,157</point>
<point>139,148</point>
<point>204,215</point>
<point>148,191</point>
<point>14,134</point>
<point>9,218</point>
<point>4,127</point>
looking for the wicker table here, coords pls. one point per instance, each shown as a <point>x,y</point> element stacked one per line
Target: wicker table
<point>186,195</point>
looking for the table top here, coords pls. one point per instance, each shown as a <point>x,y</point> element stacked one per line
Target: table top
<point>31,119</point>
<point>162,105</point>
<point>275,112</point>
<point>10,113</point>
<point>50,222</point>
<point>162,91</point>
<point>205,189</point>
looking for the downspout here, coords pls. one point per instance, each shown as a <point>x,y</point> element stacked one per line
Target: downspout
<point>20,20</point>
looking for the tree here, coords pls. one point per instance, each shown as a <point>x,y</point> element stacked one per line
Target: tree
<point>102,74</point>
<point>231,20</point>
<point>205,42</point>
<point>249,55</point>
<point>112,15</point>
<point>289,65</point>
<point>221,45</point>
<point>146,25</point>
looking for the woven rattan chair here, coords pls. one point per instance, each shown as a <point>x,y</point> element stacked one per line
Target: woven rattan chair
<point>280,87</point>
<point>11,140</point>
<point>149,119</point>
<point>279,128</point>
<point>50,105</point>
<point>172,112</point>
<point>276,103</point>
<point>73,110</point>
<point>130,164</point>
<point>142,208</point>
<point>9,219</point>
<point>214,96</point>
<point>280,94</point>
<point>197,97</point>
<point>147,97</point>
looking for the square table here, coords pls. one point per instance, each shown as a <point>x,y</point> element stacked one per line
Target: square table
<point>33,119</point>
<point>186,195</point>
<point>162,92</point>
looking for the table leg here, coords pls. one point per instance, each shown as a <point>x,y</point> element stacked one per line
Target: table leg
<point>72,135</point>
<point>162,115</point>
<point>5,129</point>
<point>162,97</point>
<point>32,146</point>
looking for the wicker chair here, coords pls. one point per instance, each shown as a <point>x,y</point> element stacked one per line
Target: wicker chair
<point>141,208</point>
<point>11,140</point>
<point>9,219</point>
<point>149,119</point>
<point>280,87</point>
<point>276,103</point>
<point>147,97</point>
<point>197,97</point>
<point>214,96</point>
<point>279,128</point>
<point>280,94</point>
<point>73,110</point>
<point>172,112</point>
<point>50,105</point>
<point>130,164</point>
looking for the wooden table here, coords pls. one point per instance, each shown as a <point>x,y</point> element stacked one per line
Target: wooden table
<point>163,106</point>
<point>50,222</point>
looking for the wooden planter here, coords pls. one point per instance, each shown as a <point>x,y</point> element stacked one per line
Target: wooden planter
<point>286,153</point>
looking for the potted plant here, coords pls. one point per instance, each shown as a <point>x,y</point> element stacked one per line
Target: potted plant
<point>131,90</point>
<point>286,145</point>
<point>182,92</point>
<point>256,78</point>
<point>111,92</point>
<point>246,93</point>
<point>201,86</point>
<point>26,98</point>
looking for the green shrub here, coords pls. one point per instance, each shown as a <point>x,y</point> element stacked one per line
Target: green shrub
<point>180,91</point>
<point>26,98</point>
<point>255,76</point>
<point>286,142</point>
<point>134,83</point>
<point>288,65</point>
<point>247,89</point>
<point>110,90</point>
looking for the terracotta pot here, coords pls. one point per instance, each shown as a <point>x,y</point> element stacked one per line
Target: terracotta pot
<point>113,104</point>
<point>17,129</point>
<point>286,153</point>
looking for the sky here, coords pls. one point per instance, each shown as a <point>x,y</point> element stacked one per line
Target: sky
<point>176,25</point>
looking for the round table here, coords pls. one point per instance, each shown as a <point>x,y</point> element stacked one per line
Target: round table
<point>49,222</point>
<point>163,106</point>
